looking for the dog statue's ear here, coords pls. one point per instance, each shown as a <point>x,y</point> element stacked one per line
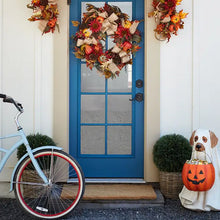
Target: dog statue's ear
<point>191,141</point>
<point>214,139</point>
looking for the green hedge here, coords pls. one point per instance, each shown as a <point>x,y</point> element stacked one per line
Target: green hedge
<point>170,152</point>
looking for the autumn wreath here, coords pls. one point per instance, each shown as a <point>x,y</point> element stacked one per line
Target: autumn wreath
<point>46,12</point>
<point>99,23</point>
<point>167,18</point>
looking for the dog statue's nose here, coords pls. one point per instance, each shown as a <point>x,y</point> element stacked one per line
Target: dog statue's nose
<point>198,146</point>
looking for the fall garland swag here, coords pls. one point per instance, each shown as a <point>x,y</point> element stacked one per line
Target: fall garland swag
<point>99,23</point>
<point>46,12</point>
<point>168,20</point>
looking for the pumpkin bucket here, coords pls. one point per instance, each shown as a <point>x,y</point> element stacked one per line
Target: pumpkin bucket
<point>198,175</point>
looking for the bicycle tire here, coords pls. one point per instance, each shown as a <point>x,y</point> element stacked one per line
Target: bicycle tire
<point>57,199</point>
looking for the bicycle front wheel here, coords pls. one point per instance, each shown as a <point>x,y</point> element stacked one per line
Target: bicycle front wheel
<point>60,196</point>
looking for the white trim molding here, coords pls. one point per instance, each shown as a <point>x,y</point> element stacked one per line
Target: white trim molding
<point>38,76</point>
<point>43,94</point>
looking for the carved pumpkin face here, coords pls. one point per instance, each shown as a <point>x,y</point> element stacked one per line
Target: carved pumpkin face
<point>198,177</point>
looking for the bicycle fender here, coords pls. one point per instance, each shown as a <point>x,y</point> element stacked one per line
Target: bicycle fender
<point>33,151</point>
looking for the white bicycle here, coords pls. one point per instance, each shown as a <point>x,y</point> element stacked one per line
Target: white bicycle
<point>48,183</point>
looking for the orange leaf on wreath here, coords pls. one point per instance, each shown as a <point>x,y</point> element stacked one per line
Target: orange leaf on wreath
<point>135,48</point>
<point>151,14</point>
<point>75,23</point>
<point>178,2</point>
<point>182,15</point>
<point>90,65</point>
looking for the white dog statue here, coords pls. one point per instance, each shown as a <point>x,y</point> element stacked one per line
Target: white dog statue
<point>204,141</point>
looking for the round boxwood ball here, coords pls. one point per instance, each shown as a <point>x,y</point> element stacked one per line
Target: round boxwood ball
<point>170,153</point>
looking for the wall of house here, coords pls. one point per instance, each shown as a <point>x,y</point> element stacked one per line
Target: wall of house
<point>188,79</point>
<point>176,79</point>
<point>26,74</point>
<point>190,73</point>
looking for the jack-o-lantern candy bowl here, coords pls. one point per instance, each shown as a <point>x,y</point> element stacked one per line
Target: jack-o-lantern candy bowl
<point>198,175</point>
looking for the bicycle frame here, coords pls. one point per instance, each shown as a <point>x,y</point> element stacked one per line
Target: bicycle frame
<point>9,152</point>
<point>29,153</point>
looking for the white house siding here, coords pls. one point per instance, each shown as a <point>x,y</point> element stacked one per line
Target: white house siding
<point>206,97</point>
<point>26,73</point>
<point>189,72</point>
<point>176,79</point>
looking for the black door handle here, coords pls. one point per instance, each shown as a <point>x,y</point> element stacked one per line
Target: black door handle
<point>138,97</point>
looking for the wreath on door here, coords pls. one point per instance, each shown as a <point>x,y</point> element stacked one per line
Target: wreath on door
<point>98,24</point>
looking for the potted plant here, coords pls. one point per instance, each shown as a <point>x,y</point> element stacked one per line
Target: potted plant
<point>35,141</point>
<point>170,153</point>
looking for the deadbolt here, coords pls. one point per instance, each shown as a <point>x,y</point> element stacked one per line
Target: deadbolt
<point>139,83</point>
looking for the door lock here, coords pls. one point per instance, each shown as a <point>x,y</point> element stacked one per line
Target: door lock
<point>139,83</point>
<point>138,97</point>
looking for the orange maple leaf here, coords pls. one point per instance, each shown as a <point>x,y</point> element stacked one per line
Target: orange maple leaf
<point>178,2</point>
<point>135,48</point>
<point>182,15</point>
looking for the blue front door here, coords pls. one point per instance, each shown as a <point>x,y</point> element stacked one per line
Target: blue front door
<point>106,126</point>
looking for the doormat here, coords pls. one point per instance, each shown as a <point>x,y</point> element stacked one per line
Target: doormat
<point>115,192</point>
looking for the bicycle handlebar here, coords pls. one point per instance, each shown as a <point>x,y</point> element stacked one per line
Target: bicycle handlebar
<point>2,96</point>
<point>9,99</point>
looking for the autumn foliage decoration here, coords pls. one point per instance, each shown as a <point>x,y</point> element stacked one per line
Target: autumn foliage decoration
<point>167,18</point>
<point>46,12</point>
<point>98,24</point>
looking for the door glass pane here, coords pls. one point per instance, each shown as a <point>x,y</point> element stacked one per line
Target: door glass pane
<point>92,109</point>
<point>119,140</point>
<point>126,7</point>
<point>96,4</point>
<point>119,109</point>
<point>91,80</point>
<point>123,83</point>
<point>92,140</point>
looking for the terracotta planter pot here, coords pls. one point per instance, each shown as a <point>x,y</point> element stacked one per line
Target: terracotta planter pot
<point>171,184</point>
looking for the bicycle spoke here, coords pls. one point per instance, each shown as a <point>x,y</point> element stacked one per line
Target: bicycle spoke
<point>60,195</point>
<point>30,183</point>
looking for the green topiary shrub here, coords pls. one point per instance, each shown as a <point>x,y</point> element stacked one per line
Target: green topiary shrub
<point>35,141</point>
<point>170,153</point>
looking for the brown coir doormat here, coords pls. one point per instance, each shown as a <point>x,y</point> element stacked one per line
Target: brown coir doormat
<point>116,192</point>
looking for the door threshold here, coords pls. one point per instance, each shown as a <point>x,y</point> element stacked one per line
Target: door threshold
<point>114,180</point>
